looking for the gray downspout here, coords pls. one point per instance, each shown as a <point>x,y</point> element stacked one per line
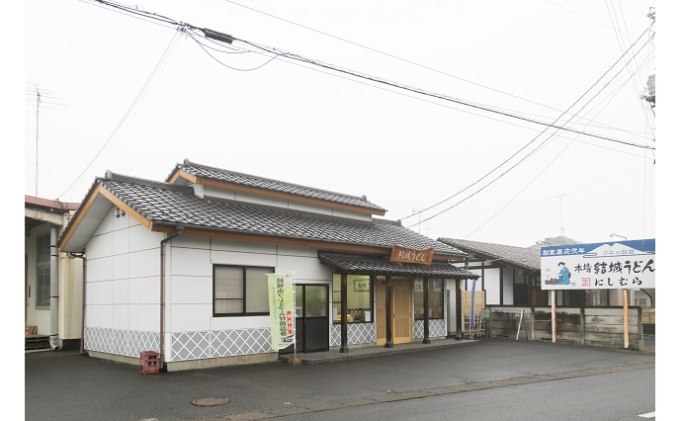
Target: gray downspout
<point>161,348</point>
<point>55,343</point>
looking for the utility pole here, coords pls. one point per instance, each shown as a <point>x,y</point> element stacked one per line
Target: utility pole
<point>560,196</point>
<point>37,130</point>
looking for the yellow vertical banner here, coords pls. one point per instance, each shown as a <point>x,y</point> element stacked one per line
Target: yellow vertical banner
<point>281,310</point>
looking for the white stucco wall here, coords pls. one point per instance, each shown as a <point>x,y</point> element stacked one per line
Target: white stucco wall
<point>123,276</point>
<point>189,288</point>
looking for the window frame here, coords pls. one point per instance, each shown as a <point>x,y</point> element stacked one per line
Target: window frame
<point>244,283</point>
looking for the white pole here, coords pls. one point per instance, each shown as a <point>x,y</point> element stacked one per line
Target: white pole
<point>521,316</point>
<point>625,319</point>
<point>554,315</point>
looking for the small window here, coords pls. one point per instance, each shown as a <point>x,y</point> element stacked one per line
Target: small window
<point>240,290</point>
<point>42,289</point>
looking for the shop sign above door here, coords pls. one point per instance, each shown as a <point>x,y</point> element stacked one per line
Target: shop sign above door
<point>403,254</point>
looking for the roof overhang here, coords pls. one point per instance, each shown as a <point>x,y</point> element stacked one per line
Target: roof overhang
<point>380,265</point>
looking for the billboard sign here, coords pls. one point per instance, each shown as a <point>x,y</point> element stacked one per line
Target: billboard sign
<point>612,265</point>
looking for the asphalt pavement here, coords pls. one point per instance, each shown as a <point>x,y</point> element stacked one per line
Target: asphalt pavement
<point>65,385</point>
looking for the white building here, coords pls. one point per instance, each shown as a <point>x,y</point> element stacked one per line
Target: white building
<point>178,267</point>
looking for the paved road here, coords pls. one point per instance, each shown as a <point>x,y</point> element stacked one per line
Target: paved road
<point>67,386</point>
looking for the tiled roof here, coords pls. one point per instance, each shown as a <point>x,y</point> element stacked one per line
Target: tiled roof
<point>227,176</point>
<point>560,240</point>
<point>352,263</point>
<point>521,256</point>
<point>170,204</point>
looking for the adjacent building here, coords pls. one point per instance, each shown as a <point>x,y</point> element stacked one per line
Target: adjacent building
<point>53,280</point>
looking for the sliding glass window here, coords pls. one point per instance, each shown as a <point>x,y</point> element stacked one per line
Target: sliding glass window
<point>359,298</point>
<point>435,295</point>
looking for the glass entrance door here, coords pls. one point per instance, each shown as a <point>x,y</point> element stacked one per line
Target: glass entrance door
<point>311,311</point>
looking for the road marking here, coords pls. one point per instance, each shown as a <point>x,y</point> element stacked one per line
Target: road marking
<point>648,415</point>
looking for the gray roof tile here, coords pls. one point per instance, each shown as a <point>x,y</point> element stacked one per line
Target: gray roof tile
<point>170,204</point>
<point>233,177</point>
<point>521,256</point>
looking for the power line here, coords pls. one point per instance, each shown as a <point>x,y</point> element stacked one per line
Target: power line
<point>525,146</point>
<point>209,33</point>
<point>436,95</point>
<point>146,84</point>
<point>405,60</point>
<point>375,50</point>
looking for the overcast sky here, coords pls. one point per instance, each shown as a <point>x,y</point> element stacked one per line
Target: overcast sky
<point>132,96</point>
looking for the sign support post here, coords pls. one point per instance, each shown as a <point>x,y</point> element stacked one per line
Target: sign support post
<point>626,337</point>
<point>553,311</point>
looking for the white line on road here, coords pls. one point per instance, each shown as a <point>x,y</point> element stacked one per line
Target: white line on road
<point>648,415</point>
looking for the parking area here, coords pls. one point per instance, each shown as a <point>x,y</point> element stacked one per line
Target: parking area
<point>67,386</point>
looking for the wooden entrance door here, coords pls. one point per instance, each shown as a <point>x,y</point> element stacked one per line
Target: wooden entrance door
<point>402,314</point>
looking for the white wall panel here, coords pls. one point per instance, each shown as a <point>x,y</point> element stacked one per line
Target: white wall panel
<point>246,247</point>
<point>189,317</point>
<point>249,322</point>
<point>191,290</point>
<point>492,286</point>
<point>100,269</point>
<point>307,268</point>
<point>99,315</point>
<point>121,266</point>
<point>284,249</point>
<point>189,261</point>
<point>123,222</point>
<point>144,290</point>
<point>99,292</point>
<point>238,258</point>
<point>121,240</point>
<point>100,246</point>
<point>121,317</point>
<point>145,317</point>
<point>190,242</point>
<point>140,238</point>
<point>145,263</point>
<point>120,291</point>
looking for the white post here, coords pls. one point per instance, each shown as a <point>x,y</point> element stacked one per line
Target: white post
<point>553,304</point>
<point>625,319</point>
<point>521,316</point>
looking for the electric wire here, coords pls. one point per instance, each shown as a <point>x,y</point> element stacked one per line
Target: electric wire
<point>550,163</point>
<point>226,65</point>
<point>393,56</point>
<point>436,95</point>
<point>375,79</point>
<point>527,155</point>
<point>526,145</point>
<point>154,72</point>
